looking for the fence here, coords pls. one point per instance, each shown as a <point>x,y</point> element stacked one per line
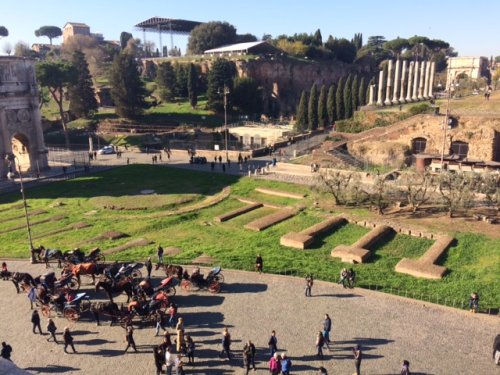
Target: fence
<point>487,305</point>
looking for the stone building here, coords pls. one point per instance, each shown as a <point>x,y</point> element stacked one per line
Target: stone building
<point>75,28</point>
<point>260,136</point>
<point>473,67</point>
<point>21,135</point>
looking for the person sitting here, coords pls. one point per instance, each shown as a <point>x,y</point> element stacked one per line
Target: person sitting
<point>196,276</point>
<point>59,300</point>
<point>474,302</point>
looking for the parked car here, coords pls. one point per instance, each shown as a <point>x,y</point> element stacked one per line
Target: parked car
<point>106,150</point>
<point>198,160</point>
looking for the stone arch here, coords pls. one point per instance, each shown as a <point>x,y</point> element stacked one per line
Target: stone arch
<point>418,145</point>
<point>459,148</point>
<point>20,146</point>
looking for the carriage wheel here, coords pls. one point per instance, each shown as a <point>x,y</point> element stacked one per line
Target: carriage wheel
<point>219,278</point>
<point>136,274</point>
<point>46,311</point>
<point>171,291</point>
<point>74,284</point>
<point>186,285</point>
<point>214,287</point>
<point>71,314</point>
<point>100,258</point>
<point>125,321</point>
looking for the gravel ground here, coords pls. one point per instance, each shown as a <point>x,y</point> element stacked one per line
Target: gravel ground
<point>436,340</point>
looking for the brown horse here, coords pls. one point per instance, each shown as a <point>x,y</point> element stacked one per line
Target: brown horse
<point>172,270</point>
<point>116,287</point>
<point>91,269</point>
<point>107,308</point>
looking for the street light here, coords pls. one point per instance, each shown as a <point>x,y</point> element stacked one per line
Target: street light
<point>10,158</point>
<point>445,125</point>
<point>225,93</point>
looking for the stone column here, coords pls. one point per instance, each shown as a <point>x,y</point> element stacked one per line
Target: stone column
<point>430,93</point>
<point>410,82</point>
<point>380,86</point>
<point>396,83</point>
<point>422,80</point>
<point>389,84</point>
<point>372,92</point>
<point>427,77</point>
<point>403,78</point>
<point>414,97</point>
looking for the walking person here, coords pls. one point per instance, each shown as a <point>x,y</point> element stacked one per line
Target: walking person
<point>250,349</point>
<point>286,364</point>
<point>129,337</point>
<point>6,351</point>
<point>159,359</point>
<point>51,328</point>
<point>405,370</point>
<point>246,359</point>
<point>327,327</point>
<point>309,285</point>
<point>169,361</point>
<point>259,264</point>
<point>190,349</point>
<point>68,340</point>
<point>273,343</point>
<point>226,344</point>
<point>320,342</point>
<point>275,364</point>
<point>159,322</point>
<point>149,266</point>
<point>159,253</point>
<point>358,356</point>
<point>172,312</point>
<point>35,319</point>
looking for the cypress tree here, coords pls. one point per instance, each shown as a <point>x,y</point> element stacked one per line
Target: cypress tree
<point>330,104</point>
<point>313,108</point>
<point>322,111</point>
<point>82,101</point>
<point>348,97</point>
<point>355,93</point>
<point>192,86</point>
<point>301,121</point>
<point>221,74</point>
<point>165,78</point>
<point>362,92</point>
<point>339,99</point>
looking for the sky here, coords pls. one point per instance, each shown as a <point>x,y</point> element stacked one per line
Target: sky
<point>461,23</point>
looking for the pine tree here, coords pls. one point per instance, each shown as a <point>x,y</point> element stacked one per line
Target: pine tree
<point>339,101</point>
<point>301,121</point>
<point>165,78</point>
<point>362,92</point>
<point>313,108</point>
<point>355,93</point>
<point>82,101</point>
<point>192,85</point>
<point>348,97</point>
<point>330,104</point>
<point>322,111</point>
<point>127,88</point>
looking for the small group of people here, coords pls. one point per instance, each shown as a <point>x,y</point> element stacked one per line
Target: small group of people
<point>347,277</point>
<point>154,159</point>
<point>52,329</point>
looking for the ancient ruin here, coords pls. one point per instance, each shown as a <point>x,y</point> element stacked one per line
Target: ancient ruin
<point>21,137</point>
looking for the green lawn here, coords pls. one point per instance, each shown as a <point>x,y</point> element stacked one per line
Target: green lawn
<point>474,262</point>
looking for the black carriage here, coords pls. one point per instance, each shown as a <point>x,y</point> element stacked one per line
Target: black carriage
<point>71,310</point>
<point>197,281</point>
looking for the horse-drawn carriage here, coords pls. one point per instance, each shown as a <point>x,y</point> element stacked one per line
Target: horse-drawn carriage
<point>145,310</point>
<point>71,310</point>
<point>77,256</point>
<point>197,281</point>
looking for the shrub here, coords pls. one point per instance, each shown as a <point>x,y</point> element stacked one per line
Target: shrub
<point>419,108</point>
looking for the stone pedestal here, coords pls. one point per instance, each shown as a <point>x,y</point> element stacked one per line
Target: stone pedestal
<point>380,87</point>
<point>395,96</point>
<point>389,84</point>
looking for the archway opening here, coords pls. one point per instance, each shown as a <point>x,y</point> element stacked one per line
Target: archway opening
<point>418,145</point>
<point>21,149</point>
<point>459,148</point>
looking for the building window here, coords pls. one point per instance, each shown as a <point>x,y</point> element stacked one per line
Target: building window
<point>459,148</point>
<point>418,145</point>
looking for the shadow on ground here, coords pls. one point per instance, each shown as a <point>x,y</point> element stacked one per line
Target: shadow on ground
<point>52,369</point>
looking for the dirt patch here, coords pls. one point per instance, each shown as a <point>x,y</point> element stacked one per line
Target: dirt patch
<point>30,213</point>
<point>172,251</point>
<point>204,259</point>
<point>15,207</point>
<point>142,202</point>
<point>68,228</point>
<point>134,243</point>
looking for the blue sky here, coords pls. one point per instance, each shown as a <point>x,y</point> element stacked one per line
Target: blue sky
<point>464,24</point>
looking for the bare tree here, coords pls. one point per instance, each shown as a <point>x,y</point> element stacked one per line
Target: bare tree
<point>457,191</point>
<point>418,188</point>
<point>380,194</point>
<point>335,183</point>
<point>490,187</point>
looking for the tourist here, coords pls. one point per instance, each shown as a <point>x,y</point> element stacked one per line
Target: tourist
<point>4,273</point>
<point>68,340</point>
<point>51,328</point>
<point>190,349</point>
<point>159,322</point>
<point>159,359</point>
<point>6,351</point>
<point>405,370</point>
<point>220,159</point>
<point>167,342</point>
<point>35,319</point>
<point>309,285</point>
<point>320,342</point>
<point>246,359</point>
<point>274,364</point>
<point>327,326</point>
<point>224,168</point>
<point>286,364</point>
<point>178,365</point>
<point>351,277</point>
<point>474,302</point>
<point>259,264</point>
<point>273,343</point>
<point>249,348</point>
<point>169,361</point>
<point>159,252</point>
<point>128,161</point>
<point>129,337</point>
<point>343,277</point>
<point>358,356</point>
<point>172,312</point>
<point>149,266</point>
<point>226,344</point>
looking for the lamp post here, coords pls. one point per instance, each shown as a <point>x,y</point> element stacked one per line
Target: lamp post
<point>445,125</point>
<point>10,158</point>
<point>225,93</point>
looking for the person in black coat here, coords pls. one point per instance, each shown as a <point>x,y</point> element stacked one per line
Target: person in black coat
<point>35,319</point>
<point>68,340</point>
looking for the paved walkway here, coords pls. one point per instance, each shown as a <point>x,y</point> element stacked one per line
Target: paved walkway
<point>435,340</point>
